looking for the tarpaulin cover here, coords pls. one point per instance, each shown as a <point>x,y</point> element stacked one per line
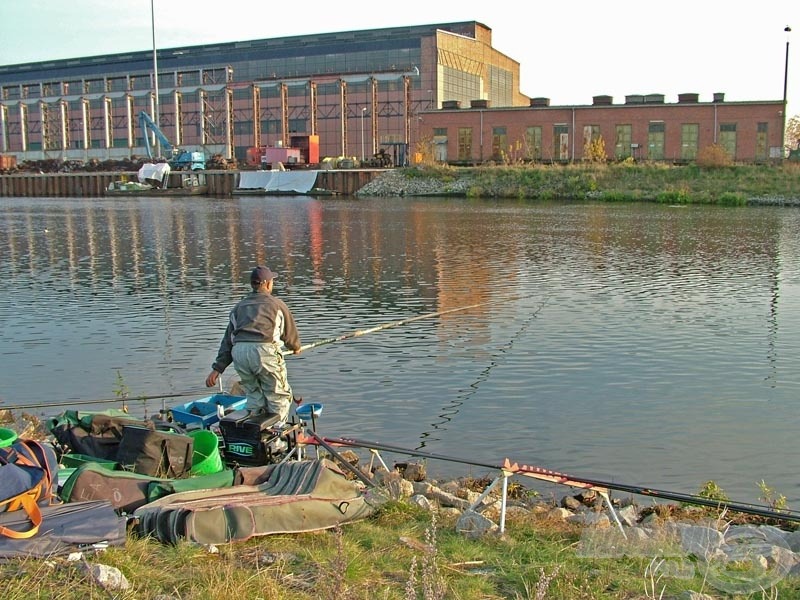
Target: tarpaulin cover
<point>278,181</point>
<point>153,172</point>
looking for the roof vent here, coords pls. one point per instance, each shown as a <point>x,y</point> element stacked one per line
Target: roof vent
<point>654,99</point>
<point>451,104</point>
<point>634,99</point>
<point>540,101</point>
<point>719,96</point>
<point>688,98</point>
<point>479,104</point>
<point>602,100</point>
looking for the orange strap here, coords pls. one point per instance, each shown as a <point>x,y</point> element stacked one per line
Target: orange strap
<point>26,502</point>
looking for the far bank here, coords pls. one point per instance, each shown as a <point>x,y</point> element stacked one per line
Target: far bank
<point>623,182</point>
<point>737,185</point>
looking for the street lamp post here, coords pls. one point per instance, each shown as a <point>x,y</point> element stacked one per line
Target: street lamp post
<point>363,112</point>
<point>155,76</point>
<point>788,30</point>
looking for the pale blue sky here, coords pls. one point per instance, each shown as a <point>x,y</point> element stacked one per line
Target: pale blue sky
<point>568,51</point>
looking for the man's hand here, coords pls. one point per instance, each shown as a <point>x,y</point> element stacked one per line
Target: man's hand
<point>212,378</point>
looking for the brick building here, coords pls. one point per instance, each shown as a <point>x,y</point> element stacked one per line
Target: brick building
<point>644,127</point>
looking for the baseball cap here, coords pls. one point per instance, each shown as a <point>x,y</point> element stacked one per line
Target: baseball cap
<point>261,274</point>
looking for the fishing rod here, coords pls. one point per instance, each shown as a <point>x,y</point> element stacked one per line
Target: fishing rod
<point>583,482</point>
<point>99,401</point>
<point>360,332</point>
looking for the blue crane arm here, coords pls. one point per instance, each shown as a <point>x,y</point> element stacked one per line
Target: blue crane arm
<point>145,122</point>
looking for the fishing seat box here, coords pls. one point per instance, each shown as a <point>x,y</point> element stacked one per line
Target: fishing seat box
<point>247,436</point>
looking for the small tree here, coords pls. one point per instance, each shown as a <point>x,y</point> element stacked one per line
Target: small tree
<point>791,139</point>
<point>594,150</point>
<point>424,148</point>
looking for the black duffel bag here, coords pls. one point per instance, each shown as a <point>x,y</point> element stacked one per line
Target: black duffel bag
<point>96,434</point>
<point>156,453</point>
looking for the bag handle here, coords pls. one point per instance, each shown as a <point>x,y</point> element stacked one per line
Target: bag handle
<point>26,502</point>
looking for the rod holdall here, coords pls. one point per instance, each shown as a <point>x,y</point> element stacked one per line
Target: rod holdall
<point>27,482</point>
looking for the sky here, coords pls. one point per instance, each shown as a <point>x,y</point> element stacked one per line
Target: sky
<point>568,51</point>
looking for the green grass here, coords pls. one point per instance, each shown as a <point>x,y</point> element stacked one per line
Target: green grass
<point>401,553</point>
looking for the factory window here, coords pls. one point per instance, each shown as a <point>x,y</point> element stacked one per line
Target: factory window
<point>465,143</point>
<point>761,141</point>
<point>499,143</point>
<point>242,127</point>
<point>140,82</point>
<point>655,140</point>
<point>561,142</point>
<point>95,86</point>
<point>689,140</point>
<point>591,133</point>
<point>117,84</point>
<point>622,143</point>
<point>533,143</point>
<point>727,138</point>
<point>11,92</point>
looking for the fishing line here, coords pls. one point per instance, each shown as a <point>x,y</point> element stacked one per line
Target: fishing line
<point>451,409</point>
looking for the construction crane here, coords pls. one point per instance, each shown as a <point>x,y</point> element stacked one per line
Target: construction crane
<point>180,160</point>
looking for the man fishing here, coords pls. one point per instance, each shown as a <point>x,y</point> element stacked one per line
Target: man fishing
<point>257,327</point>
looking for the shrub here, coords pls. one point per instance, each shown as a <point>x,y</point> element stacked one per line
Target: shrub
<point>713,156</point>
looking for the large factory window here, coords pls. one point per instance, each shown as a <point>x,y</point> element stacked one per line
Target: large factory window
<point>689,140</point>
<point>622,142</point>
<point>761,141</point>
<point>533,143</point>
<point>465,143</point>
<point>655,140</point>
<point>727,138</point>
<point>499,143</point>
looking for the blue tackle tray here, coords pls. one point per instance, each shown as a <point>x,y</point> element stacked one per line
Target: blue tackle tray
<point>205,410</point>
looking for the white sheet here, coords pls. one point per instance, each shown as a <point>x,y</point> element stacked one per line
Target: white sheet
<point>278,181</point>
<point>154,171</point>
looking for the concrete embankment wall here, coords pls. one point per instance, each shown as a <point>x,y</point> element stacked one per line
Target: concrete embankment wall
<point>220,183</point>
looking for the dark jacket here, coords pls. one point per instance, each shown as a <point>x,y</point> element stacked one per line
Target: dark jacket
<point>258,317</point>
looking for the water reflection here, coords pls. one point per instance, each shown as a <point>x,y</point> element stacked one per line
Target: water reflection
<point>655,345</point>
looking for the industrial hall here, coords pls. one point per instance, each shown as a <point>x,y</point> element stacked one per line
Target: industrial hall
<point>352,94</point>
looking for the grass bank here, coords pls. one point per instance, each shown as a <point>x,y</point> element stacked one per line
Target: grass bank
<point>690,184</point>
<point>403,552</point>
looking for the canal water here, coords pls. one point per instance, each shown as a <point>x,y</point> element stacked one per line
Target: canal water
<point>649,345</point>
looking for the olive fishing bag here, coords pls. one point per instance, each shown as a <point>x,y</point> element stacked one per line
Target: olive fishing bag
<point>27,483</point>
<point>127,491</point>
<point>157,453</point>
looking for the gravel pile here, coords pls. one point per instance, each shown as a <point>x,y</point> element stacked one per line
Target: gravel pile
<point>396,183</point>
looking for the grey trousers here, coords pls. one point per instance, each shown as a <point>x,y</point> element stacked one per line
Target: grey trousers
<point>262,370</point>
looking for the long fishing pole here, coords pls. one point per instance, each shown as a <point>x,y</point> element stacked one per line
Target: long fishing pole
<point>570,480</point>
<point>360,332</point>
<point>127,400</point>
